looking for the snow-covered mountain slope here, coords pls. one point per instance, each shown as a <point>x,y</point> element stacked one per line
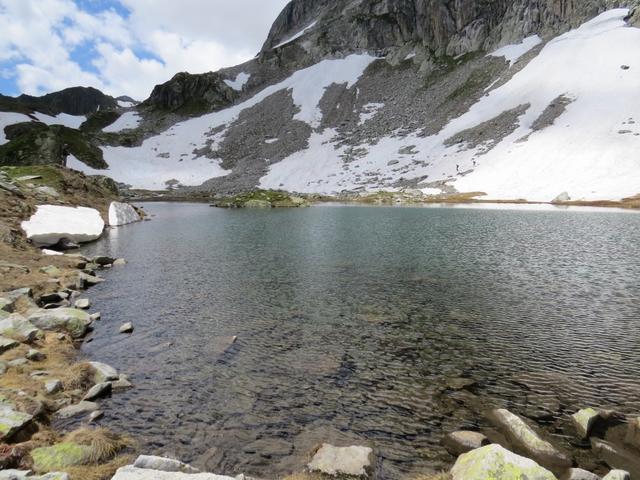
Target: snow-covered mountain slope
<point>529,120</point>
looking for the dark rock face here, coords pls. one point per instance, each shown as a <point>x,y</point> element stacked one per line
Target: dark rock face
<point>443,27</point>
<point>191,94</point>
<point>73,101</point>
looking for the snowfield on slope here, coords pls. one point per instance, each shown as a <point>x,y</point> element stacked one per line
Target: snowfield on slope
<point>11,118</point>
<point>170,155</point>
<point>590,151</point>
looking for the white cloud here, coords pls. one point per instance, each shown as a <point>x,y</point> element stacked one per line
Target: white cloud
<point>41,36</point>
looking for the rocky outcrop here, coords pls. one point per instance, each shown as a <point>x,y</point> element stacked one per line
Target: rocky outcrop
<point>187,94</point>
<point>72,101</point>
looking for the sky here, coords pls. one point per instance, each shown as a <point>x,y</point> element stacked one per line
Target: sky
<point>124,47</point>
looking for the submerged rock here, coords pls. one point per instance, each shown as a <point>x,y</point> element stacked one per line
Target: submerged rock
<point>351,461</point>
<point>494,462</point>
<point>616,456</point>
<point>461,442</point>
<point>77,409</point>
<point>71,320</point>
<point>527,441</point>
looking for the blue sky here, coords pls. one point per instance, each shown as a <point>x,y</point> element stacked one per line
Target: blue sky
<point>124,47</point>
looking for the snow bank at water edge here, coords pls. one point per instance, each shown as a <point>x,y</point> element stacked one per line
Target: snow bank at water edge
<point>51,223</point>
<point>122,214</point>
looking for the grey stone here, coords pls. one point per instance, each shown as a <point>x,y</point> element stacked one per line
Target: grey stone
<point>633,433</point>
<point>578,474</point>
<point>53,386</point>
<point>133,473</point>
<point>15,474</point>
<point>126,328</point>
<point>35,355</point>
<point>18,362</point>
<point>71,320</point>
<point>95,316</point>
<point>617,475</point>
<point>461,442</point>
<point>11,419</point>
<point>119,262</point>
<point>7,344</point>
<point>122,383</point>
<point>527,441</point>
<point>95,416</point>
<point>85,280</point>
<point>77,409</point>
<point>104,372</point>
<point>82,303</point>
<point>494,462</point>
<point>99,390</point>
<point>163,464</point>
<point>351,461</point>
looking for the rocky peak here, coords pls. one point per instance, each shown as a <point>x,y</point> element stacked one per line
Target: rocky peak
<point>191,94</point>
<point>73,101</point>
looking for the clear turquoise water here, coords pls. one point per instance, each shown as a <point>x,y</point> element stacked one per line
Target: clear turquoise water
<point>351,322</point>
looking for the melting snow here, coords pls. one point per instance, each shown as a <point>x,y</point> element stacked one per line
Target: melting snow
<point>125,104</point>
<point>369,111</point>
<point>171,154</point>
<point>297,35</point>
<point>582,153</point>
<point>513,52</point>
<point>51,223</point>
<point>240,81</point>
<point>10,118</point>
<point>126,121</point>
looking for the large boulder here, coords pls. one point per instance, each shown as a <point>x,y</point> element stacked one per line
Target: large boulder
<point>19,328</point>
<point>350,461</point>
<point>71,320</point>
<point>52,223</point>
<point>133,473</point>
<point>526,441</point>
<point>163,464</point>
<point>60,456</point>
<point>494,462</point>
<point>122,214</point>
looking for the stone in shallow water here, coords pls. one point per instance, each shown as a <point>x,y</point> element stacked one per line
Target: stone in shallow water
<point>352,461</point>
<point>104,372</point>
<point>579,474</point>
<point>82,303</point>
<point>122,214</point>
<point>462,441</point>
<point>126,328</point>
<point>98,391</point>
<point>526,440</point>
<point>494,462</point>
<point>77,409</point>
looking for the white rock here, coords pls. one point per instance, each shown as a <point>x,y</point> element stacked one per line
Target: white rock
<point>126,328</point>
<point>53,386</point>
<point>82,303</point>
<point>122,214</point>
<point>332,460</point>
<point>97,391</point>
<point>104,372</point>
<point>77,409</point>
<point>50,223</point>
<point>14,474</point>
<point>46,251</point>
<point>617,475</point>
<point>163,464</point>
<point>133,473</point>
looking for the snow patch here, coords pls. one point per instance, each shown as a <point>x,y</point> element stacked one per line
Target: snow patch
<point>125,104</point>
<point>240,81</point>
<point>126,121</point>
<point>369,111</point>
<point>297,35</point>
<point>51,223</point>
<point>512,53</point>
<point>122,214</point>
<point>10,118</point>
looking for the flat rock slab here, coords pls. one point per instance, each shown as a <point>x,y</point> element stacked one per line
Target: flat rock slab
<point>77,409</point>
<point>7,344</point>
<point>98,391</point>
<point>351,461</point>
<point>133,473</point>
<point>494,462</point>
<point>464,441</point>
<point>104,372</point>
<point>527,441</point>
<point>579,474</point>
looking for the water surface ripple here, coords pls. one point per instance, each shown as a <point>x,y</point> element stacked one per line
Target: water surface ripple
<point>355,325</point>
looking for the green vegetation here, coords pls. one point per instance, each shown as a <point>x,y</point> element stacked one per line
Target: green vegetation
<point>51,175</point>
<point>261,199</point>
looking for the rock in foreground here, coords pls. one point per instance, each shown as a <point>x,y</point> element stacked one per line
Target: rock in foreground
<point>71,320</point>
<point>122,214</point>
<point>351,461</point>
<point>494,462</point>
<point>52,223</point>
<point>133,473</point>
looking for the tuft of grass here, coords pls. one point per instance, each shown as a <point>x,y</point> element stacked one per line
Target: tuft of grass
<point>79,377</point>
<point>104,443</point>
<point>99,472</point>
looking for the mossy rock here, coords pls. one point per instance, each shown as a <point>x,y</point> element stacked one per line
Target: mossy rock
<point>60,456</point>
<point>261,199</point>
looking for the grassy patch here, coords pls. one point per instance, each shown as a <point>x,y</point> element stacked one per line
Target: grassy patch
<point>51,175</point>
<point>260,198</point>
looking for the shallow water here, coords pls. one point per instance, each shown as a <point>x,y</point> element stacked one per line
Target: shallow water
<point>354,323</point>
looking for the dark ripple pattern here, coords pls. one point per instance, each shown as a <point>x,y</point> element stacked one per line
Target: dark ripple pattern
<point>351,322</point>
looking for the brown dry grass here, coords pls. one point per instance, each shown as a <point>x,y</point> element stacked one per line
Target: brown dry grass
<point>306,476</point>
<point>433,476</point>
<point>104,443</point>
<point>99,472</point>
<point>79,377</point>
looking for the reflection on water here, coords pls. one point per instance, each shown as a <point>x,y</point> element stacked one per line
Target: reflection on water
<point>386,326</point>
